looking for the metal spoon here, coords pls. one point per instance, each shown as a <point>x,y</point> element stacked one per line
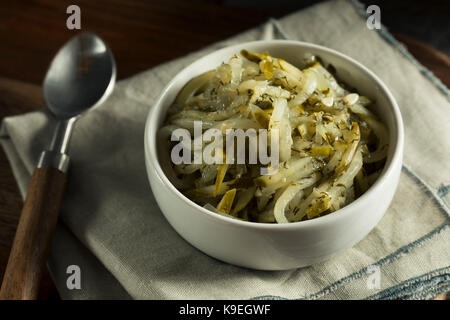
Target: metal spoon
<point>80,77</point>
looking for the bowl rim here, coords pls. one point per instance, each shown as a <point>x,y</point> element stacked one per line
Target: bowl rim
<point>151,128</point>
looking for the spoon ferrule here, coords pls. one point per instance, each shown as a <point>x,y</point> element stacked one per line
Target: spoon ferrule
<point>54,159</point>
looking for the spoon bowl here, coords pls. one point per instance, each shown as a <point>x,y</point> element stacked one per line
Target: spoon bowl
<point>80,77</point>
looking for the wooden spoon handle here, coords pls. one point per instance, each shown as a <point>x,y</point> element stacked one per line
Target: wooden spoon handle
<point>34,233</point>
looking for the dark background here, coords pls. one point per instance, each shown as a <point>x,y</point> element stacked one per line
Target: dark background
<point>428,21</point>
<point>159,30</point>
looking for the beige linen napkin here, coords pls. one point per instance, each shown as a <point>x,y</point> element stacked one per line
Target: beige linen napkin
<point>112,228</point>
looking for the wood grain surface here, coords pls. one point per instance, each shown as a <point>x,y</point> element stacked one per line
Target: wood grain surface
<point>141,34</point>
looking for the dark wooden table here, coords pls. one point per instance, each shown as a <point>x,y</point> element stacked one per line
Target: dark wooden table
<point>141,34</point>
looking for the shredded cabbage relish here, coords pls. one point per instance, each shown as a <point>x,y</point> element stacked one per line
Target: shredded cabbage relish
<point>332,147</point>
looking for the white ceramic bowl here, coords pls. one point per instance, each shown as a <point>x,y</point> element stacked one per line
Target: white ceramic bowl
<point>273,246</point>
